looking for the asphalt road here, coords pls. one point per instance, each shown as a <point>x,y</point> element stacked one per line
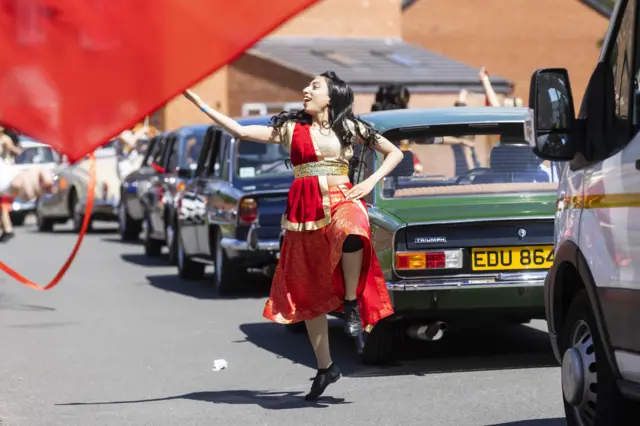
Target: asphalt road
<point>123,341</point>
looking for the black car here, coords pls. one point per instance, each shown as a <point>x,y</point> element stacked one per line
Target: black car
<point>230,214</point>
<point>177,168</point>
<point>131,211</point>
<point>147,194</point>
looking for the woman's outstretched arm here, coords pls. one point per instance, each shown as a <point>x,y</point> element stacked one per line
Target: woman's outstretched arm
<point>264,134</point>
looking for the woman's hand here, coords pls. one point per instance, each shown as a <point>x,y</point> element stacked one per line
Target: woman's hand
<point>360,190</point>
<point>192,97</point>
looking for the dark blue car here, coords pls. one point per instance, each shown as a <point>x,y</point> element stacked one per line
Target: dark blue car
<point>229,214</point>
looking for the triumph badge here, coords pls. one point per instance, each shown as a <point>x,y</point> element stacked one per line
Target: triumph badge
<point>522,233</point>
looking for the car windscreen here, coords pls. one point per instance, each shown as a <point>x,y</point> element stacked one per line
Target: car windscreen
<point>467,160</point>
<point>261,160</point>
<point>36,155</point>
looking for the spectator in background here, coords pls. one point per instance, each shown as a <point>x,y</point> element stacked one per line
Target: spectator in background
<point>396,96</point>
<point>9,149</point>
<point>491,96</point>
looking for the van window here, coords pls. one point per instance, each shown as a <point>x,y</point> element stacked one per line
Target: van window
<point>623,72</point>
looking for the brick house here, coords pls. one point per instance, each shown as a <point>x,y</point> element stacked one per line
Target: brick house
<point>512,38</point>
<point>361,40</point>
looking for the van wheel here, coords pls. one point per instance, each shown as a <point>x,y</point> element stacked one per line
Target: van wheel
<point>591,396</point>
<point>378,344</point>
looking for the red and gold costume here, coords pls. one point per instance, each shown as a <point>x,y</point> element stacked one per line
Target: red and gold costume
<point>308,280</point>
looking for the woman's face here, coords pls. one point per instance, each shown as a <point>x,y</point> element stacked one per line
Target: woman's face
<point>316,96</point>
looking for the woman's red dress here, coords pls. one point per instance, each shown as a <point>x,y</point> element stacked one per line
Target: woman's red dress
<point>308,281</point>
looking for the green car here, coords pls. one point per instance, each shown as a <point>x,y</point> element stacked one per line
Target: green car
<point>463,227</point>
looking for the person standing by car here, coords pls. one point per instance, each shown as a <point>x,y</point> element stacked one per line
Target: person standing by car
<point>327,262</point>
<point>9,149</point>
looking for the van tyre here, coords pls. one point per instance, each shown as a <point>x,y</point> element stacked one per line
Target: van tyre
<point>187,268</point>
<point>378,344</point>
<point>591,396</point>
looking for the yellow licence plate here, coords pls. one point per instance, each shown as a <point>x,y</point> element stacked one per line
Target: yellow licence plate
<point>501,258</point>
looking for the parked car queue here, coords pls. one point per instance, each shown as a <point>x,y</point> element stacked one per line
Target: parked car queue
<point>470,240</point>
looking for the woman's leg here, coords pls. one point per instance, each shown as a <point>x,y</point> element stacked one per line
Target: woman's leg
<point>5,219</point>
<point>328,372</point>
<point>351,262</point>
<point>318,330</point>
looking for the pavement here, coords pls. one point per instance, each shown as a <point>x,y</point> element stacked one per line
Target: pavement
<point>123,341</point>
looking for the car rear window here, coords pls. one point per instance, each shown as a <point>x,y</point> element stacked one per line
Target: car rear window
<point>476,161</point>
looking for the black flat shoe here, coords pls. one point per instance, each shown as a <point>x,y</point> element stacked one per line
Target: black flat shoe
<point>6,236</point>
<point>322,381</point>
<point>352,319</point>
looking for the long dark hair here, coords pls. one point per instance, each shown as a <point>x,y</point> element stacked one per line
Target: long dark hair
<point>340,114</point>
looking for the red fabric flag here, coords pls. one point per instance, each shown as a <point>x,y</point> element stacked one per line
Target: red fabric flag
<point>74,73</point>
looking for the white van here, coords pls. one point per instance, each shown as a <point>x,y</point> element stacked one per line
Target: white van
<point>592,292</point>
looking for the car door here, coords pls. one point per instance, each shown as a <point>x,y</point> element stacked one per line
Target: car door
<point>610,230</point>
<point>158,192</point>
<point>207,188</point>
<point>151,194</point>
<point>213,191</point>
<point>191,209</point>
<point>139,179</point>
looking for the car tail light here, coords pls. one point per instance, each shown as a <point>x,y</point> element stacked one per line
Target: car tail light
<point>62,183</point>
<point>248,210</point>
<point>433,259</point>
<point>160,193</point>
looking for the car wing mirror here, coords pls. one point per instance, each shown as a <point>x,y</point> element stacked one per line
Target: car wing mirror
<point>551,121</point>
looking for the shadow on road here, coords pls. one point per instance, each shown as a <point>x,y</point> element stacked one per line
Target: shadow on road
<point>267,400</point>
<point>537,422</point>
<point>94,231</point>
<point>119,240</point>
<point>203,289</point>
<point>142,259</point>
<point>506,347</point>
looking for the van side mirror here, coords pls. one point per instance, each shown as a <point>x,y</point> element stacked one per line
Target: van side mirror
<point>554,120</point>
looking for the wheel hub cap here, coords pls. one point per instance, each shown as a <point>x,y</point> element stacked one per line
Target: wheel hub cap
<point>580,374</point>
<point>572,376</point>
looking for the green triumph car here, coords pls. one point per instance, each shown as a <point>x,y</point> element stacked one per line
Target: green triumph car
<point>463,227</point>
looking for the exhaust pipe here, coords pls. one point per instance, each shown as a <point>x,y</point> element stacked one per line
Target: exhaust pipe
<point>428,332</point>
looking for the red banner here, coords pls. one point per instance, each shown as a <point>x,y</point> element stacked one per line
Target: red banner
<point>74,73</point>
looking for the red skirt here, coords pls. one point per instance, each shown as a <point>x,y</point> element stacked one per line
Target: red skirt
<point>6,202</point>
<point>308,281</point>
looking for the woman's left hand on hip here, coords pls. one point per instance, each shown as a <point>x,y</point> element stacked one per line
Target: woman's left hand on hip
<point>359,190</point>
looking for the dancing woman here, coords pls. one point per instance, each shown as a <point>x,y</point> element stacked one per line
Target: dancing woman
<point>327,262</point>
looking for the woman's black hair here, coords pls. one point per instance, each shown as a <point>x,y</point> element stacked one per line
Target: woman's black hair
<point>340,114</point>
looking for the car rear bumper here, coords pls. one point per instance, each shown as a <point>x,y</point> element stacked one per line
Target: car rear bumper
<point>101,210</point>
<point>495,281</point>
<point>251,244</point>
<point>23,207</point>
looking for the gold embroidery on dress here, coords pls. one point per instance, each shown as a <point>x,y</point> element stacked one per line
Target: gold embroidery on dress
<point>320,168</point>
